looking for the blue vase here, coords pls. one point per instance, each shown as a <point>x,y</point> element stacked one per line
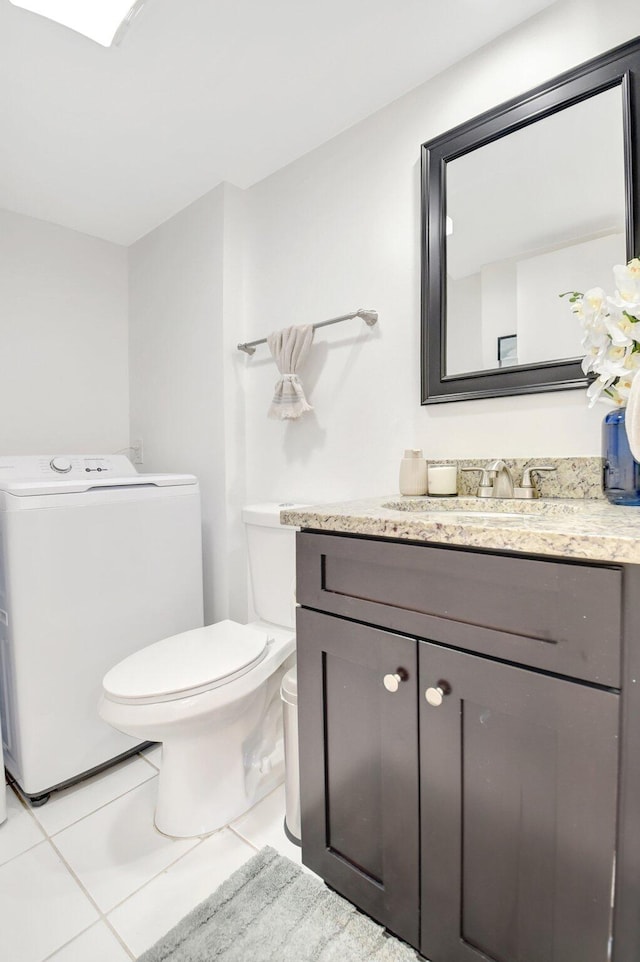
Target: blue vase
<point>621,472</point>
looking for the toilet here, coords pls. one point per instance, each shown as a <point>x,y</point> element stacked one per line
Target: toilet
<point>212,695</point>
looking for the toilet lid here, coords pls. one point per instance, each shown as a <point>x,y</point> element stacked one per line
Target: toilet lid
<point>184,664</point>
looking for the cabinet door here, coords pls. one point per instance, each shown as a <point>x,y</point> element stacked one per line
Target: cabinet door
<point>518,807</point>
<point>359,766</point>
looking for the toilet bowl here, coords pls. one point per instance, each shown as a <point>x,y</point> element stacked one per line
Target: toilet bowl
<point>218,718</point>
<point>212,696</point>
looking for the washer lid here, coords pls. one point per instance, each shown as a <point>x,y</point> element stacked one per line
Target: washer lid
<point>25,489</point>
<point>36,475</point>
<point>187,663</point>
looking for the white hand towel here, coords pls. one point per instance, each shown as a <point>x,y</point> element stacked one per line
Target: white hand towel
<point>289,348</point>
<point>632,417</point>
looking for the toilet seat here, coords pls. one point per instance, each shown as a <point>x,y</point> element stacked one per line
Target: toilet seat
<point>187,664</point>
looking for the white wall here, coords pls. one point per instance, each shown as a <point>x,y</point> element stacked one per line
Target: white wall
<point>184,400</point>
<point>63,340</point>
<point>232,367</point>
<point>339,229</point>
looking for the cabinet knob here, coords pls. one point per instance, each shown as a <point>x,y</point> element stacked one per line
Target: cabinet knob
<point>392,682</point>
<point>435,695</point>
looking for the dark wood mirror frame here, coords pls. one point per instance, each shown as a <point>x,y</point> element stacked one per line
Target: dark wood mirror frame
<point>618,67</point>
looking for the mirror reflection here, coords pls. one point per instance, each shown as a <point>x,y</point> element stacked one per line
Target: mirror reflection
<point>532,214</point>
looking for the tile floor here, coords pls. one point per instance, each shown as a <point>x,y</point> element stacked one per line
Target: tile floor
<point>87,878</point>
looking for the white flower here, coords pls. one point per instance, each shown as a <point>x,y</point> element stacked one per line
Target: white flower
<point>597,388</point>
<point>596,352</point>
<point>621,330</point>
<point>612,363</point>
<point>622,305</point>
<point>594,300</point>
<point>611,334</point>
<point>592,309</point>
<point>623,385</point>
<point>614,395</point>
<point>577,309</point>
<point>627,280</point>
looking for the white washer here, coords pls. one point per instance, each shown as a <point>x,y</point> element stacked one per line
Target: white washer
<point>96,561</point>
<point>3,787</point>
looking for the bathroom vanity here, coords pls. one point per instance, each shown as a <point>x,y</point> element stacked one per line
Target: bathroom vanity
<point>470,724</point>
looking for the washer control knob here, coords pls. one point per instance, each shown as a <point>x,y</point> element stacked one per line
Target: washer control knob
<point>61,465</point>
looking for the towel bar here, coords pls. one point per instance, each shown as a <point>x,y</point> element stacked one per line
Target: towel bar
<point>369,317</point>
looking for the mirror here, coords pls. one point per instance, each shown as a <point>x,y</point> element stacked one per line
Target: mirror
<point>524,223</point>
<point>520,204</point>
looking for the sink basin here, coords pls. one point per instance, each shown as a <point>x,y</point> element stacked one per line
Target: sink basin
<point>466,517</point>
<point>467,509</point>
<point>470,515</point>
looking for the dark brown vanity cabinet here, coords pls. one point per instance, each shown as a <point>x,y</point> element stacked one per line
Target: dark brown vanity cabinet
<point>359,767</point>
<point>469,802</point>
<point>518,813</point>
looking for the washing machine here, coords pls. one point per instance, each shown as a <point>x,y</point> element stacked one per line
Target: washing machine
<point>96,561</point>
<point>3,788</point>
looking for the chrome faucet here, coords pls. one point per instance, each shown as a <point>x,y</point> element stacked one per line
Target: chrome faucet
<point>502,479</point>
<point>497,481</point>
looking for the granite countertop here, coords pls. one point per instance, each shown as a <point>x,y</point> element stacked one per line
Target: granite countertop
<point>571,528</point>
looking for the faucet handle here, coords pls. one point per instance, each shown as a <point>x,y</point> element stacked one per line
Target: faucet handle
<point>526,476</point>
<point>526,489</point>
<point>485,489</point>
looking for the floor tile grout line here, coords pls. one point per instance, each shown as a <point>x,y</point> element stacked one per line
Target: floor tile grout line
<point>84,891</point>
<point>104,915</point>
<point>84,932</point>
<point>239,835</point>
<point>59,831</point>
<point>119,937</point>
<point>116,798</point>
<point>75,877</point>
<point>44,838</point>
<point>78,785</point>
<point>201,841</point>
<point>26,850</point>
<point>161,872</point>
<point>101,913</point>
<point>69,941</point>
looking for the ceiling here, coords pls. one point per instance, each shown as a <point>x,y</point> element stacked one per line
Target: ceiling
<point>113,141</point>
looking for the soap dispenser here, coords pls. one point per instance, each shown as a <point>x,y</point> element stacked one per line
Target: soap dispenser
<point>413,472</point>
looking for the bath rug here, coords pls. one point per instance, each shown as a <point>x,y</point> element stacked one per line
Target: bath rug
<point>270,910</point>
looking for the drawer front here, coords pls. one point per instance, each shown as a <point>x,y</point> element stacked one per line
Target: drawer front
<point>553,615</point>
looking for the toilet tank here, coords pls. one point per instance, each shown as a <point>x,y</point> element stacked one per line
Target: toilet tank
<point>272,563</point>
